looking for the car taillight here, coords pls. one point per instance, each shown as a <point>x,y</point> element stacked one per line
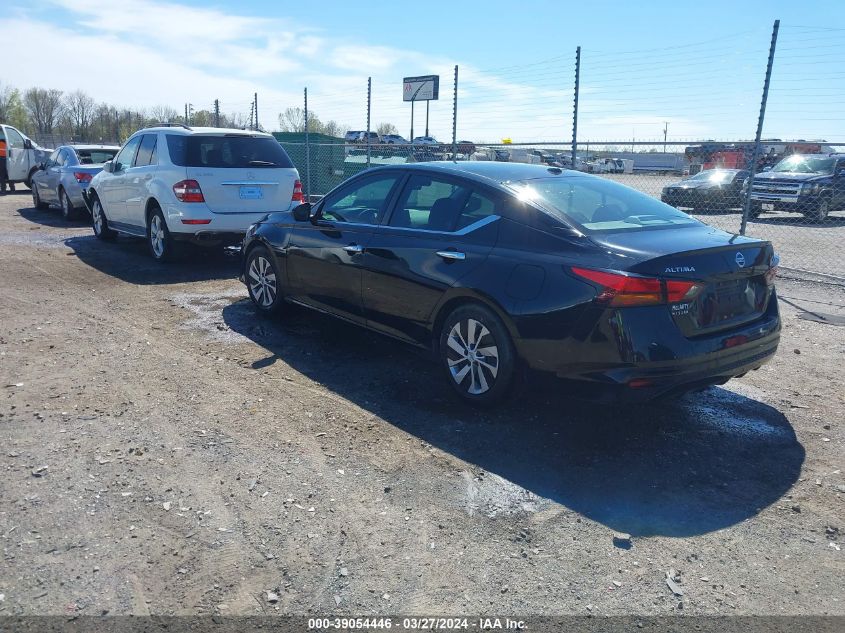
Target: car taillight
<point>297,196</point>
<point>773,271</point>
<point>82,177</point>
<point>188,191</point>
<point>620,290</point>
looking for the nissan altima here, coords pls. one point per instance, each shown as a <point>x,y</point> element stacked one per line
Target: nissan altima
<point>504,268</point>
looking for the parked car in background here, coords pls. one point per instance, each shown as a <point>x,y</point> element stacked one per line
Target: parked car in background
<point>466,147</point>
<point>23,155</point>
<point>181,184</point>
<point>425,140</point>
<point>711,189</point>
<point>811,184</point>
<point>545,157</point>
<point>353,136</point>
<point>393,139</point>
<point>495,267</point>
<point>66,174</point>
<point>502,155</point>
<point>359,137</point>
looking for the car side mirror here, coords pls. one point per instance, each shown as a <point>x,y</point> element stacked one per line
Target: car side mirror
<point>108,166</point>
<point>27,144</point>
<point>303,212</point>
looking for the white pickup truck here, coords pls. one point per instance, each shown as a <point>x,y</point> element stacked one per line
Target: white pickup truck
<point>23,155</point>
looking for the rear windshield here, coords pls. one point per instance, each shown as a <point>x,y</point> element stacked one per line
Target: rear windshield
<point>597,205</point>
<point>226,151</point>
<point>95,156</point>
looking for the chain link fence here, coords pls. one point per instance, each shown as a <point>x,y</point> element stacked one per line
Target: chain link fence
<point>787,203</point>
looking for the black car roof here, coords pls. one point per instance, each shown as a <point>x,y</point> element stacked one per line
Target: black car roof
<point>491,171</point>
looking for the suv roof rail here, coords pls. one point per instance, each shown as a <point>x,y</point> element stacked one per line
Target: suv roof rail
<point>168,124</point>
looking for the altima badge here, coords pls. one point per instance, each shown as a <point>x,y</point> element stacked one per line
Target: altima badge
<point>740,260</point>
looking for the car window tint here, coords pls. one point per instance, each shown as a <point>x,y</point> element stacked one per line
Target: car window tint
<point>14,139</point>
<point>54,159</point>
<point>598,204</point>
<point>127,154</point>
<point>227,151</point>
<point>62,158</point>
<point>430,204</point>
<point>361,203</point>
<point>478,206</point>
<point>95,156</point>
<point>145,151</point>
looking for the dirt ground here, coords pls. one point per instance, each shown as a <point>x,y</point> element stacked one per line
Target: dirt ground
<point>166,451</point>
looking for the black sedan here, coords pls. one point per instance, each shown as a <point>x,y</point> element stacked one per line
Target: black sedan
<point>502,267</point>
<point>711,189</point>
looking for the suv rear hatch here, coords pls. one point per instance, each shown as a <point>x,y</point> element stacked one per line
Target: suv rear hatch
<point>730,271</point>
<point>237,173</point>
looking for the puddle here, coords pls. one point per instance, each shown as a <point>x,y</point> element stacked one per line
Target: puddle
<point>492,496</point>
<point>207,314</point>
<point>734,408</point>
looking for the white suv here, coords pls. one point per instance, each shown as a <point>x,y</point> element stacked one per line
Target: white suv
<point>203,185</point>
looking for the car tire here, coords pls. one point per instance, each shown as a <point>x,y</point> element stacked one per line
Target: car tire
<point>159,240</point>
<point>68,210</point>
<point>28,180</point>
<point>99,221</point>
<point>37,202</point>
<point>819,212</point>
<point>480,379</point>
<point>262,281</point>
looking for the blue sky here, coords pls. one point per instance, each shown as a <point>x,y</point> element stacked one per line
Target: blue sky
<point>698,67</point>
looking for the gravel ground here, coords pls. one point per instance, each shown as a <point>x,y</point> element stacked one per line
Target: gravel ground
<point>166,451</point>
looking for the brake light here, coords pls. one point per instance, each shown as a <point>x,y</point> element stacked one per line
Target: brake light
<point>297,196</point>
<point>188,191</point>
<point>196,221</point>
<point>82,177</point>
<point>622,290</point>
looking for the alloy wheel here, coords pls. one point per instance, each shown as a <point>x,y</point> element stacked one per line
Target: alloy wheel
<point>262,281</point>
<point>97,217</point>
<point>473,356</point>
<point>67,209</point>
<point>157,236</point>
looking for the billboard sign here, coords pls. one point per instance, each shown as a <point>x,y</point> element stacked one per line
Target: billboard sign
<point>426,88</point>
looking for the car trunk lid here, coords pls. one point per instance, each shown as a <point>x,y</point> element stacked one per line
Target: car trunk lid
<point>730,272</point>
<point>239,190</point>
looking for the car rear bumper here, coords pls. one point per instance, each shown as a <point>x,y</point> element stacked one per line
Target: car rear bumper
<point>647,359</point>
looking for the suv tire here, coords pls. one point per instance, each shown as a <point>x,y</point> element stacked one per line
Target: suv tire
<point>159,240</point>
<point>99,221</point>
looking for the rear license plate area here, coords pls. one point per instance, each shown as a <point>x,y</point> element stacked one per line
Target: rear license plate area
<point>250,193</point>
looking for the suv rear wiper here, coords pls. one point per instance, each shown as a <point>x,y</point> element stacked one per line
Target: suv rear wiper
<point>263,163</point>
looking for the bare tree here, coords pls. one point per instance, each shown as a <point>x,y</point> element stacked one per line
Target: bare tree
<point>333,128</point>
<point>44,107</point>
<point>79,108</point>
<point>293,120</point>
<point>386,128</point>
<point>163,114</point>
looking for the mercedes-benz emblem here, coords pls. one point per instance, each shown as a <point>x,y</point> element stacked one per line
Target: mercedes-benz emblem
<point>740,260</point>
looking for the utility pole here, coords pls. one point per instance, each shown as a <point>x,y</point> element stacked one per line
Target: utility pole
<point>575,107</point>
<point>256,110</point>
<point>755,156</point>
<point>412,121</point>
<point>217,113</point>
<point>189,112</point>
<point>427,101</point>
<point>251,114</point>
<point>186,114</point>
<point>665,133</point>
<point>369,104</point>
<point>455,118</point>
<point>307,154</point>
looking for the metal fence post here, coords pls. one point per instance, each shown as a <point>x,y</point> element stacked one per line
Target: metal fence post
<point>256,112</point>
<point>217,113</point>
<point>755,155</point>
<point>575,107</point>
<point>455,118</point>
<point>369,105</point>
<point>307,154</point>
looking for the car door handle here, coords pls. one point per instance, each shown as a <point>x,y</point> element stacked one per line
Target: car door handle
<point>354,249</point>
<point>452,255</point>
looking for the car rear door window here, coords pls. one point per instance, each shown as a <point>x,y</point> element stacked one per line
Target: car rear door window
<point>146,151</point>
<point>361,202</point>
<point>227,151</point>
<point>428,203</point>
<point>478,206</point>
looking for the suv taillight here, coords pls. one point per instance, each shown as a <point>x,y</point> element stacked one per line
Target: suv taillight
<point>297,196</point>
<point>82,177</point>
<point>621,290</point>
<point>188,191</point>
